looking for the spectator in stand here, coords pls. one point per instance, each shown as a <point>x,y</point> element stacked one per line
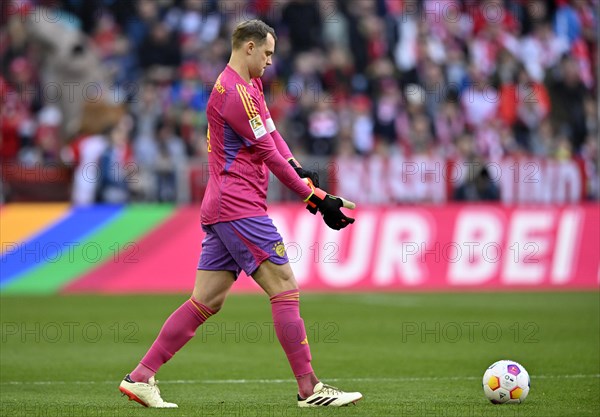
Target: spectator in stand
<point>487,45</point>
<point>590,108</point>
<point>170,161</point>
<point>304,24</point>
<point>432,80</point>
<point>47,135</point>
<point>457,71</point>
<point>386,108</point>
<point>190,128</point>
<point>534,12</point>
<point>466,151</point>
<point>323,128</point>
<point>84,154</point>
<point>590,152</point>
<point>567,22</point>
<point>15,115</point>
<point>532,107</point>
<point>495,140</point>
<point>157,52</point>
<point>187,92</point>
<point>304,84</point>
<point>355,11</point>
<point>197,20</point>
<point>113,49</point>
<point>541,50</point>
<point>542,141</point>
<point>568,93</point>
<point>480,100</point>
<point>335,25</point>
<point>506,71</point>
<point>405,50</point>
<point>564,146</point>
<point>481,188</point>
<point>137,25</point>
<point>449,125</point>
<point>117,169</point>
<point>420,138</point>
<point>338,73</point>
<point>24,101</point>
<point>362,126</point>
<point>147,111</point>
<point>373,28</point>
<point>492,12</point>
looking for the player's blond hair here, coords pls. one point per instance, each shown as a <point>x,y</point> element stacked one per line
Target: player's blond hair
<point>251,30</point>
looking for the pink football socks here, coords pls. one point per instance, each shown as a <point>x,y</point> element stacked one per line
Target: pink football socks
<point>291,333</point>
<point>179,328</point>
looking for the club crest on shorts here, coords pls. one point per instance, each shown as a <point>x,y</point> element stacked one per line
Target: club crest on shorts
<point>279,249</point>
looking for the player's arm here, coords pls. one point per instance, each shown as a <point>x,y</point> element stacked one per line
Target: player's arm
<point>302,173</point>
<point>284,149</point>
<point>242,113</point>
<point>252,130</point>
<point>265,147</point>
<point>317,200</point>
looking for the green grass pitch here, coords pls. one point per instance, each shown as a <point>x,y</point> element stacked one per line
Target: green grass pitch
<point>409,354</point>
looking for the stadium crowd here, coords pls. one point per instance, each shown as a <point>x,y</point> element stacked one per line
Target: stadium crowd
<point>461,79</point>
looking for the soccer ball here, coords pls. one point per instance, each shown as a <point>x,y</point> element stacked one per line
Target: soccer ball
<point>506,382</point>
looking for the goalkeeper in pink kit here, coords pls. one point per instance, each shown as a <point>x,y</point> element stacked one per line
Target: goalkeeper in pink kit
<point>243,145</point>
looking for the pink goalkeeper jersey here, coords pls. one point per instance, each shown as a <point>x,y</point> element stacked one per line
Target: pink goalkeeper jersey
<point>242,146</point>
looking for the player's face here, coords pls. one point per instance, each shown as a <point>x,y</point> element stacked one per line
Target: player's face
<point>261,57</point>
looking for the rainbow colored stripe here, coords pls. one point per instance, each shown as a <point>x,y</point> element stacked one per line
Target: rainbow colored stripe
<point>50,248</point>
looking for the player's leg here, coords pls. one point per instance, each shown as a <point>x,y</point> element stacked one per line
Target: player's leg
<point>257,248</point>
<point>216,274</point>
<point>210,291</point>
<point>275,279</point>
<point>279,283</point>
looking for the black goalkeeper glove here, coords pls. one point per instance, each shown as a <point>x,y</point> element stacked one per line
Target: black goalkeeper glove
<point>304,173</point>
<point>329,206</point>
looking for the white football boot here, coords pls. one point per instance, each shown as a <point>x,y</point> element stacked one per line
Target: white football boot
<point>326,395</point>
<point>146,394</point>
